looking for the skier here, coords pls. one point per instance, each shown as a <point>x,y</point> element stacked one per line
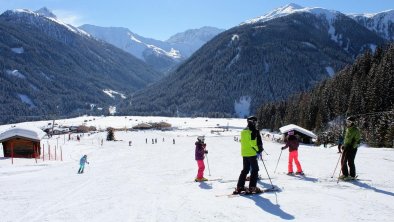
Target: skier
<point>251,147</point>
<point>292,143</point>
<point>82,162</point>
<point>352,139</point>
<point>199,156</point>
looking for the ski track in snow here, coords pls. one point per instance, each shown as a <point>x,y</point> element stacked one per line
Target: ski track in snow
<point>154,182</point>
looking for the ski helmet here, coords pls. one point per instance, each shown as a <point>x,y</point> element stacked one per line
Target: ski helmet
<point>350,120</point>
<point>252,119</point>
<point>201,138</point>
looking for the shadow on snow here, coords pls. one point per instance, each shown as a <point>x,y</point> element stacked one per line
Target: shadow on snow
<point>367,186</point>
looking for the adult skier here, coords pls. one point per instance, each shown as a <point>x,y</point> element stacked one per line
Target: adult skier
<point>293,144</point>
<point>352,139</point>
<point>251,147</point>
<point>82,163</point>
<point>199,156</point>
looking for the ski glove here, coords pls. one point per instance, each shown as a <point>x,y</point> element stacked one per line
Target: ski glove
<point>283,148</point>
<point>206,151</point>
<point>259,156</point>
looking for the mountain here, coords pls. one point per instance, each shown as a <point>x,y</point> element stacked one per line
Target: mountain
<point>381,23</point>
<point>161,55</point>
<point>191,40</point>
<point>48,67</point>
<point>259,61</point>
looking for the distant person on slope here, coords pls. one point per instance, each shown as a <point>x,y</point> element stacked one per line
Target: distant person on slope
<point>293,144</point>
<point>251,147</point>
<point>199,156</point>
<point>82,163</point>
<point>352,139</point>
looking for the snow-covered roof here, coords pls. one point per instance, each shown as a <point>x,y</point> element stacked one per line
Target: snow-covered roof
<point>26,132</point>
<point>291,127</point>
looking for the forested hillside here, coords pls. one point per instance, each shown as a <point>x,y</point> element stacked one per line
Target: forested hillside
<point>364,90</point>
<point>251,64</point>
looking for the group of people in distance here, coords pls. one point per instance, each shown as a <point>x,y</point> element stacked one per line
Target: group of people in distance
<point>252,147</point>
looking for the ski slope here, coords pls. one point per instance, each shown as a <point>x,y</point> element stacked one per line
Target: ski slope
<point>154,182</point>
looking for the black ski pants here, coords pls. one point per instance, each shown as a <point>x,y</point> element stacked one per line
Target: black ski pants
<point>249,163</point>
<point>348,156</point>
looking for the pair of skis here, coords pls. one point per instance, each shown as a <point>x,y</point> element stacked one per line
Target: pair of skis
<point>246,193</point>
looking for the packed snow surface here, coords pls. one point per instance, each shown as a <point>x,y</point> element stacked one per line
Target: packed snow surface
<point>154,182</point>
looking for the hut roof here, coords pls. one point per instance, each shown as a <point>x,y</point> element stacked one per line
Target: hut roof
<point>285,129</point>
<point>143,125</point>
<point>32,133</point>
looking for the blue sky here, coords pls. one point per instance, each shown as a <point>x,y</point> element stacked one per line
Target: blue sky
<point>161,19</point>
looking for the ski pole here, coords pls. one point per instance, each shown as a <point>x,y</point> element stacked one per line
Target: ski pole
<point>261,158</point>
<point>278,160</point>
<point>336,166</point>
<point>209,171</point>
<point>265,152</point>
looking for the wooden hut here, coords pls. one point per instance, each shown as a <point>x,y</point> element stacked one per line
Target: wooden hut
<point>304,135</point>
<point>22,142</point>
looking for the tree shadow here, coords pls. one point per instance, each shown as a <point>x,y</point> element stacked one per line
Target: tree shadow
<point>367,186</point>
<point>266,205</point>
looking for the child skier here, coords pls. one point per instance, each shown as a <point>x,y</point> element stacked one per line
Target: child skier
<point>82,162</point>
<point>292,143</point>
<point>199,156</point>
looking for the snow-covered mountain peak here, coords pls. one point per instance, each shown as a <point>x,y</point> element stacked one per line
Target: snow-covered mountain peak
<point>381,23</point>
<point>291,9</point>
<point>40,17</point>
<point>44,11</point>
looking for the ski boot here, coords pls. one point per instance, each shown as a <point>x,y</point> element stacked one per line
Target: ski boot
<point>239,190</point>
<point>300,173</point>
<point>253,190</point>
<point>200,179</point>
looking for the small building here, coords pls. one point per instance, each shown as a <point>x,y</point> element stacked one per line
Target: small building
<point>22,142</point>
<point>304,135</point>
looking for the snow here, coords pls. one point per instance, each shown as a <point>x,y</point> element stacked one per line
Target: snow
<point>26,99</point>
<point>291,9</point>
<point>235,37</point>
<point>19,50</point>
<point>112,110</point>
<point>373,47</point>
<point>154,182</point>
<point>242,106</point>
<point>377,22</point>
<point>15,73</point>
<point>111,93</point>
<point>172,53</point>
<point>330,71</point>
<point>328,15</point>
<point>134,38</point>
<point>309,45</point>
<point>290,127</point>
<point>31,132</point>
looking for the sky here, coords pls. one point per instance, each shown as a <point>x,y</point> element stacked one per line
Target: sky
<point>160,19</point>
